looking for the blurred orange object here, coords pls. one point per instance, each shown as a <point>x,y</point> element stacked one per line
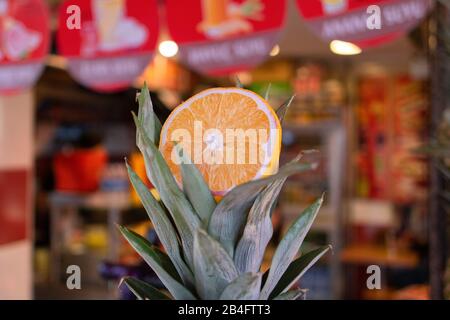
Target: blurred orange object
<point>79,170</point>
<point>138,164</point>
<point>413,292</point>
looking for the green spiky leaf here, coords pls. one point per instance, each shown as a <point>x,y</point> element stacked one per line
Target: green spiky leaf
<point>258,230</point>
<point>296,294</point>
<point>143,291</point>
<point>184,216</point>
<point>238,82</point>
<point>152,127</point>
<point>195,188</point>
<point>246,287</point>
<point>231,212</point>
<point>289,247</point>
<point>163,227</point>
<point>282,110</point>
<point>210,256</point>
<point>267,94</point>
<point>297,269</point>
<point>159,264</point>
<point>213,268</point>
<point>147,115</point>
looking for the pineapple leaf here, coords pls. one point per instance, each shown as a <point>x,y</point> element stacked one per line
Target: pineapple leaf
<point>238,82</point>
<point>213,268</point>
<point>163,227</point>
<point>296,294</point>
<point>152,126</point>
<point>147,115</point>
<point>297,269</point>
<point>245,287</point>
<point>258,230</point>
<point>282,110</point>
<point>184,216</point>
<point>267,94</point>
<point>157,254</point>
<point>195,188</point>
<point>289,247</point>
<point>144,291</point>
<point>230,215</point>
<point>159,263</point>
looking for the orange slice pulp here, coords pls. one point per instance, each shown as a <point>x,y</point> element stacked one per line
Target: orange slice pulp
<point>232,135</point>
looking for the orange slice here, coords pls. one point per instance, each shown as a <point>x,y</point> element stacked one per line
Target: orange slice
<point>232,135</point>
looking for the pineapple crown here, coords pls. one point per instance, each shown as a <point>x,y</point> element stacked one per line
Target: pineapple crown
<point>215,250</point>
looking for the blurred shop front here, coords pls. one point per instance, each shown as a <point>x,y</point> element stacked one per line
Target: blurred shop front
<point>367,102</point>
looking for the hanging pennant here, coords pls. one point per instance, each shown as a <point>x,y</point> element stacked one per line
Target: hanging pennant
<point>223,36</point>
<point>363,22</point>
<point>24,43</point>
<point>114,43</point>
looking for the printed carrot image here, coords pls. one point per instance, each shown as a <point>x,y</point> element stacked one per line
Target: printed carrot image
<point>215,11</point>
<point>334,6</point>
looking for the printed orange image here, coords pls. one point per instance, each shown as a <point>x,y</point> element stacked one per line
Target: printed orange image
<point>225,18</point>
<point>232,135</point>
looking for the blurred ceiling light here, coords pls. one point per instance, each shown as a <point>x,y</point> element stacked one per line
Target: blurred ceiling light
<point>168,48</point>
<point>344,48</point>
<point>275,51</point>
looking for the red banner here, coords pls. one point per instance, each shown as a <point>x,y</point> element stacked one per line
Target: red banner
<point>222,36</point>
<point>113,44</point>
<point>355,20</point>
<point>14,205</point>
<point>24,42</point>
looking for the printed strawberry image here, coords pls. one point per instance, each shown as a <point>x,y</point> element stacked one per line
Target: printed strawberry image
<point>18,41</point>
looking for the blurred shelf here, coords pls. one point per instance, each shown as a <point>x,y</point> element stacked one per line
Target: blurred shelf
<point>96,200</point>
<point>320,127</point>
<point>413,292</point>
<point>65,222</point>
<point>308,181</point>
<point>328,135</point>
<point>325,220</point>
<point>372,254</point>
<point>88,292</point>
